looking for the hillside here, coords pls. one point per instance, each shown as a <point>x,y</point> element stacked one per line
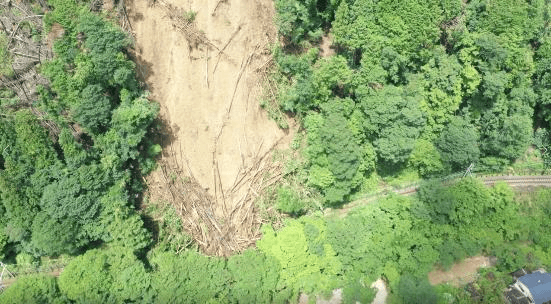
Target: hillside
<point>239,151</point>
<point>207,74</point>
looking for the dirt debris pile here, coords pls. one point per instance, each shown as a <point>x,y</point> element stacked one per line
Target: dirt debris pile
<point>23,29</point>
<point>204,62</point>
<point>237,228</point>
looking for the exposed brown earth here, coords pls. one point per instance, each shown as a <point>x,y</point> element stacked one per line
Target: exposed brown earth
<point>204,62</point>
<point>461,273</point>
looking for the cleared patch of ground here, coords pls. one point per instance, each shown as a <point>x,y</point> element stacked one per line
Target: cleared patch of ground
<point>326,46</point>
<point>204,62</point>
<point>382,293</point>
<point>461,273</point>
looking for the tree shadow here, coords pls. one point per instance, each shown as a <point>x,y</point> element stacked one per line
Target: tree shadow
<point>388,169</point>
<point>159,134</point>
<point>164,136</point>
<point>143,69</point>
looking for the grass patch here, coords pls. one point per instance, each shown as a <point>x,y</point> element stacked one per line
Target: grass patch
<point>26,264</point>
<point>6,58</point>
<point>189,16</point>
<point>530,163</point>
<point>270,100</point>
<point>166,225</point>
<point>403,178</point>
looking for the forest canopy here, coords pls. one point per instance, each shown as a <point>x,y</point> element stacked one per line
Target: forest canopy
<point>63,189</point>
<point>415,91</point>
<point>428,87</point>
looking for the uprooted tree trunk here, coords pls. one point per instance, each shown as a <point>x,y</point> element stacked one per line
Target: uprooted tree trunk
<point>226,222</point>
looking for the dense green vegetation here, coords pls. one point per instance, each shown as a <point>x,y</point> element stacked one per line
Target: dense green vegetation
<point>417,89</point>
<point>66,189</point>
<point>398,238</point>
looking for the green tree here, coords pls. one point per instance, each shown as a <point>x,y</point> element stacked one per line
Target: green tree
<point>356,289</point>
<point>506,17</point>
<point>51,236</point>
<point>255,277</point>
<point>412,290</point>
<point>310,269</point>
<point>298,20</point>
<point>343,156</point>
<point>129,125</point>
<point>542,83</point>
<point>288,201</point>
<point>442,82</point>
<point>468,202</point>
<point>105,43</point>
<point>393,121</point>
<point>114,275</point>
<point>28,153</point>
<point>372,26</point>
<point>494,84</point>
<point>362,238</point>
<point>65,13</point>
<point>425,158</point>
<point>75,195</point>
<point>331,77</point>
<point>502,211</point>
<point>334,155</point>
<point>458,144</point>
<point>94,110</point>
<point>121,225</point>
<point>505,136</point>
<point>74,153</point>
<point>188,278</point>
<point>35,288</point>
<point>86,278</point>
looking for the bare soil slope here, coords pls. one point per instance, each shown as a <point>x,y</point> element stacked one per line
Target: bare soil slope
<point>461,273</point>
<point>206,71</point>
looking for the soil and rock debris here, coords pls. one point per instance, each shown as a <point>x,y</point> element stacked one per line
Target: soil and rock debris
<point>205,63</point>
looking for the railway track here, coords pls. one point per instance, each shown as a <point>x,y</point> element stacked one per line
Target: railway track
<point>8,276</point>
<point>512,180</point>
<point>520,181</point>
<point>515,181</point>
